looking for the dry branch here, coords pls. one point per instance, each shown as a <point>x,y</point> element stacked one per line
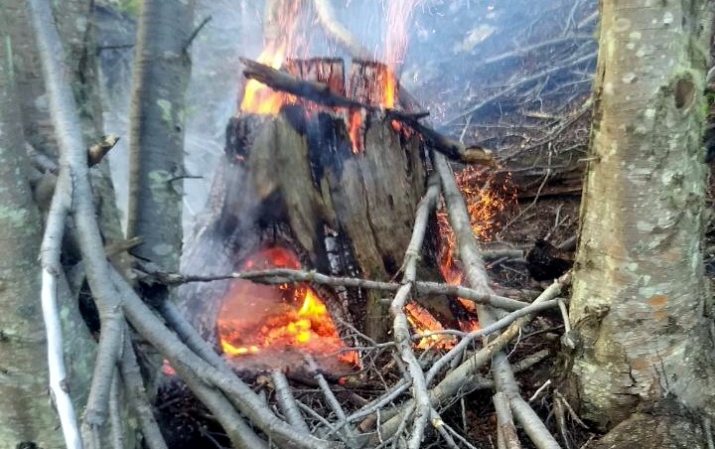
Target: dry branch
<point>506,430</point>
<point>286,275</point>
<point>287,402</point>
<point>477,279</point>
<point>423,408</point>
<point>74,190</point>
<point>136,393</point>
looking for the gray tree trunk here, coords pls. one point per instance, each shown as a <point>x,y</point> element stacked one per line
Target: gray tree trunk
<point>639,299</point>
<point>161,75</point>
<point>25,411</point>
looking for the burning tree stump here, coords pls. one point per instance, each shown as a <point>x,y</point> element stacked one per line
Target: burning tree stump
<point>338,187</point>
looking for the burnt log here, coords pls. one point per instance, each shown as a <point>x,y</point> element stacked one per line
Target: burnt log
<point>337,184</point>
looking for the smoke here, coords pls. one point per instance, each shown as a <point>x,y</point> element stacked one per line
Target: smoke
<point>452,55</point>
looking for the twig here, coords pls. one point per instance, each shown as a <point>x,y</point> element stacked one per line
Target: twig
<point>196,32</point>
<point>560,419</point>
<point>400,328</point>
<point>456,434</point>
<point>77,192</point>
<point>530,360</point>
<point>532,424</point>
<point>565,316</point>
<point>518,83</point>
<point>286,401</point>
<point>328,393</point>
<point>506,430</point>
<point>525,50</point>
<point>51,269</point>
<point>441,427</point>
<point>136,393</point>
<point>286,275</point>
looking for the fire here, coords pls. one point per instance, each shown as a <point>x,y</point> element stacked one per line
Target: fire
<point>398,14</point>
<point>257,319</point>
<point>257,97</point>
<point>422,321</point>
<point>486,199</point>
<point>293,41</point>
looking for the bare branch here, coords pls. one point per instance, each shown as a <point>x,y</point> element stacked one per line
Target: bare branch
<point>477,279</point>
<point>138,399</point>
<point>285,398</point>
<point>506,430</point>
<point>286,275</point>
<point>400,328</point>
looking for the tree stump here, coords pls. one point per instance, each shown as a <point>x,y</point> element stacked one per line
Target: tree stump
<point>337,186</point>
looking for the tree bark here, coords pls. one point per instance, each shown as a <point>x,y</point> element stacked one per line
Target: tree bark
<point>156,167</point>
<point>639,300</point>
<point>24,410</point>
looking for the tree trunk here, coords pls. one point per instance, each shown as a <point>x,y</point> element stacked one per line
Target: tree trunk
<point>24,408</point>
<point>639,301</point>
<point>156,170</point>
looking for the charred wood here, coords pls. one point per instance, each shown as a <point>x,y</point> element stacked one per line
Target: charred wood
<point>322,94</point>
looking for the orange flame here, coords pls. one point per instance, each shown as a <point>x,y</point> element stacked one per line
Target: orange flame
<point>259,98</point>
<point>486,199</point>
<point>255,318</point>
<point>423,321</point>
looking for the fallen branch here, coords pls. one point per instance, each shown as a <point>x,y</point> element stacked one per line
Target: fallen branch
<point>330,397</point>
<point>401,331</point>
<point>286,275</point>
<point>286,401</point>
<point>506,430</point>
<point>477,279</point>
<point>136,393</point>
<point>74,190</point>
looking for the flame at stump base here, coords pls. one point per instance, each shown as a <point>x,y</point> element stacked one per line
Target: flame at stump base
<point>271,327</point>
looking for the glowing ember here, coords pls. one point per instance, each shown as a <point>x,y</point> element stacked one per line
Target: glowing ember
<point>260,319</point>
<point>422,321</point>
